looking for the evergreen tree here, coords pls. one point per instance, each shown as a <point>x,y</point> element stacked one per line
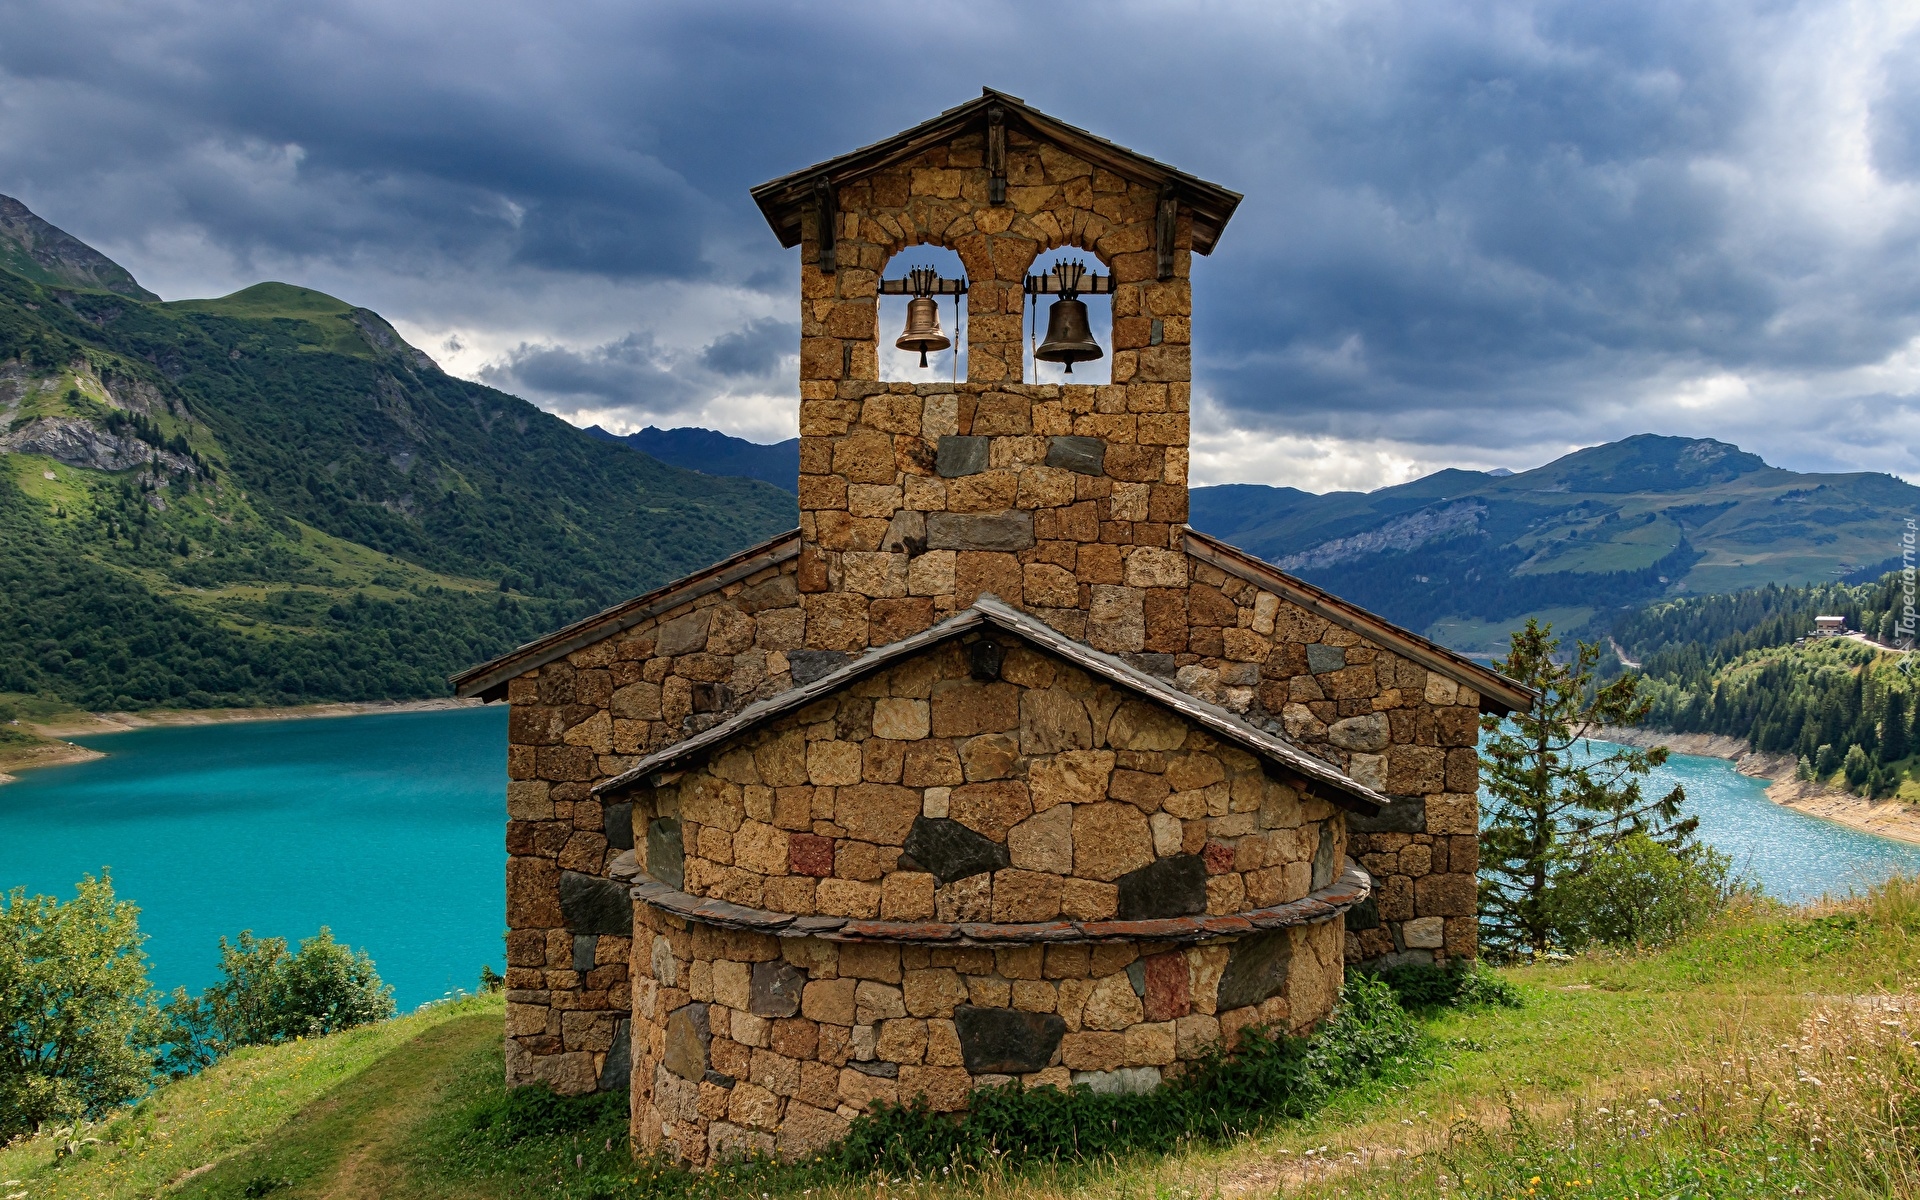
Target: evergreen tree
<point>1893,728</point>
<point>1553,798</point>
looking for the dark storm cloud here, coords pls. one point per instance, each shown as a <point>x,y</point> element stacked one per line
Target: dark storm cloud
<point>1458,214</point>
<point>757,350</point>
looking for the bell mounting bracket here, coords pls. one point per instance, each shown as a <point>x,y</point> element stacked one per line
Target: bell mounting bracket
<point>923,281</point>
<point>1069,280</point>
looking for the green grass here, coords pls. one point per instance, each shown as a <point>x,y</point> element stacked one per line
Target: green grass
<point>1470,636</point>
<point>1707,1028</point>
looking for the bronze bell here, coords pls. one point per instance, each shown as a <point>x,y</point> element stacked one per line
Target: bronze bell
<point>1069,338</point>
<point>923,328</point>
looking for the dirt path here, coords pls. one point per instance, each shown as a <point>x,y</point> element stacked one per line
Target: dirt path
<point>349,1144</point>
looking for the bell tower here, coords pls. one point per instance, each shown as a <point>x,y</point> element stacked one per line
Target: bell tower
<point>1062,499</point>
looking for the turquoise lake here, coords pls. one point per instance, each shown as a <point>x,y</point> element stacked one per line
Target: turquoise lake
<point>389,829</point>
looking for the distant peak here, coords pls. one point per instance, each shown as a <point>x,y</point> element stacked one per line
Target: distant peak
<point>47,254</point>
<point>1500,472</point>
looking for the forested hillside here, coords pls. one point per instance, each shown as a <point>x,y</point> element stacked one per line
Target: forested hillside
<point>1746,666</point>
<point>272,498</point>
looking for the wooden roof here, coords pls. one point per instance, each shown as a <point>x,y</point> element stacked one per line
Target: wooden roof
<point>1321,776</point>
<point>783,200</point>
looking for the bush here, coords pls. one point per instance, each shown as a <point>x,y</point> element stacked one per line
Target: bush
<point>1637,892</point>
<point>267,995</point>
<point>1856,765</point>
<point>1826,760</point>
<point>1459,984</point>
<point>1268,1077</point>
<point>76,1034</point>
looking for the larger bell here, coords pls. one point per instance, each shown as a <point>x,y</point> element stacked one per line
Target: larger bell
<point>1069,337</point>
<point>923,328</point>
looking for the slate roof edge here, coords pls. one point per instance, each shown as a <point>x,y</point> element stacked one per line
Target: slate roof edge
<point>1350,793</point>
<point>477,680</point>
<point>1505,693</point>
<point>1351,887</point>
<point>1211,204</point>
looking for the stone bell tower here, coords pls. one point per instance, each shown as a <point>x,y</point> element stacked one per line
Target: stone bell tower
<point>1066,500</point>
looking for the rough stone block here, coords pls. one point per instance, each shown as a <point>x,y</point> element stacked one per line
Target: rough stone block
<point>1002,531</point>
<point>1169,887</point>
<point>775,989</point>
<point>1083,455</point>
<point>951,851</point>
<point>688,1035</point>
<point>1005,1041</point>
<point>1257,968</point>
<point>1109,840</point>
<point>595,905</point>
<point>956,456</point>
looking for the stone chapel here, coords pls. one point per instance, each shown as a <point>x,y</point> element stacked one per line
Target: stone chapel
<point>992,769</point>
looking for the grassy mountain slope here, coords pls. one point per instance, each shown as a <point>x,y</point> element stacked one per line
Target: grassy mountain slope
<point>272,498</point>
<point>31,248</point>
<point>1464,553</point>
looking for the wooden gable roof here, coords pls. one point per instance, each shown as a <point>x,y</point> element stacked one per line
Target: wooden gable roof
<point>785,199</point>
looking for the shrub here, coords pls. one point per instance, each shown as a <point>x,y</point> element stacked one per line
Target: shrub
<point>538,1112</point>
<point>267,995</point>
<point>1268,1077</point>
<point>1637,892</point>
<point>1459,984</point>
<point>1826,760</point>
<point>76,1035</point>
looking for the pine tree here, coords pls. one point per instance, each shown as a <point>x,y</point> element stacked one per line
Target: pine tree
<point>1554,798</point>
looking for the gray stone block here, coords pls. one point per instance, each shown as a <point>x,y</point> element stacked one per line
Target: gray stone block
<point>1152,662</point>
<point>687,1037</point>
<point>1323,864</point>
<point>1170,887</point>
<point>593,905</point>
<point>666,854</point>
<point>775,989</point>
<point>809,665</point>
<point>951,851</point>
<point>1364,915</point>
<point>1321,659</point>
<point>1082,455</point>
<point>585,946</point>
<point>1124,1081</point>
<point>956,455</point>
<point>619,822</point>
<point>1406,814</point>
<point>1007,531</point>
<point>1256,968</point>
<point>1005,1041</point>
<point>616,1073</point>
<point>879,1070</point>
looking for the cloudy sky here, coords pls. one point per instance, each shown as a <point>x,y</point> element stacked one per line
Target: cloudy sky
<point>1475,234</point>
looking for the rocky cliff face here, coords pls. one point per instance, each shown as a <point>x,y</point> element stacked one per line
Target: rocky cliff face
<point>30,246</point>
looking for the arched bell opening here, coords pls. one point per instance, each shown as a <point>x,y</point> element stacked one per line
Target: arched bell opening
<point>1069,329</point>
<point>939,317</point>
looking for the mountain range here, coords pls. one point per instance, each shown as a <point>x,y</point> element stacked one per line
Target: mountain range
<point>273,498</point>
<point>714,453</point>
<point>1466,555</point>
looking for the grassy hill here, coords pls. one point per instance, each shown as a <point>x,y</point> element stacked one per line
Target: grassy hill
<point>1717,1067</point>
<point>272,498</point>
<point>1467,555</point>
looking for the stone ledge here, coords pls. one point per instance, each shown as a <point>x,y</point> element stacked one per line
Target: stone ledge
<point>1353,886</point>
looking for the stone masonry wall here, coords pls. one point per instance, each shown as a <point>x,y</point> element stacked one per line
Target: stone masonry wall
<point>927,792</point>
<point>754,1043</point>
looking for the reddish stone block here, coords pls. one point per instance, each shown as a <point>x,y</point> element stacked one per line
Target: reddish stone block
<point>1219,858</point>
<point>1168,994</point>
<point>808,854</point>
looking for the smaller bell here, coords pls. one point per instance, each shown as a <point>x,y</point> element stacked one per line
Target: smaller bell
<point>1069,336</point>
<point>923,328</point>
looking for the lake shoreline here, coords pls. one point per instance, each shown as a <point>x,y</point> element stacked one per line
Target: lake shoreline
<point>1882,818</point>
<point>57,751</point>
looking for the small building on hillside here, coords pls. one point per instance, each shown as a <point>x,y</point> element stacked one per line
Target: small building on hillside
<point>1829,626</point>
<point>993,768</point>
